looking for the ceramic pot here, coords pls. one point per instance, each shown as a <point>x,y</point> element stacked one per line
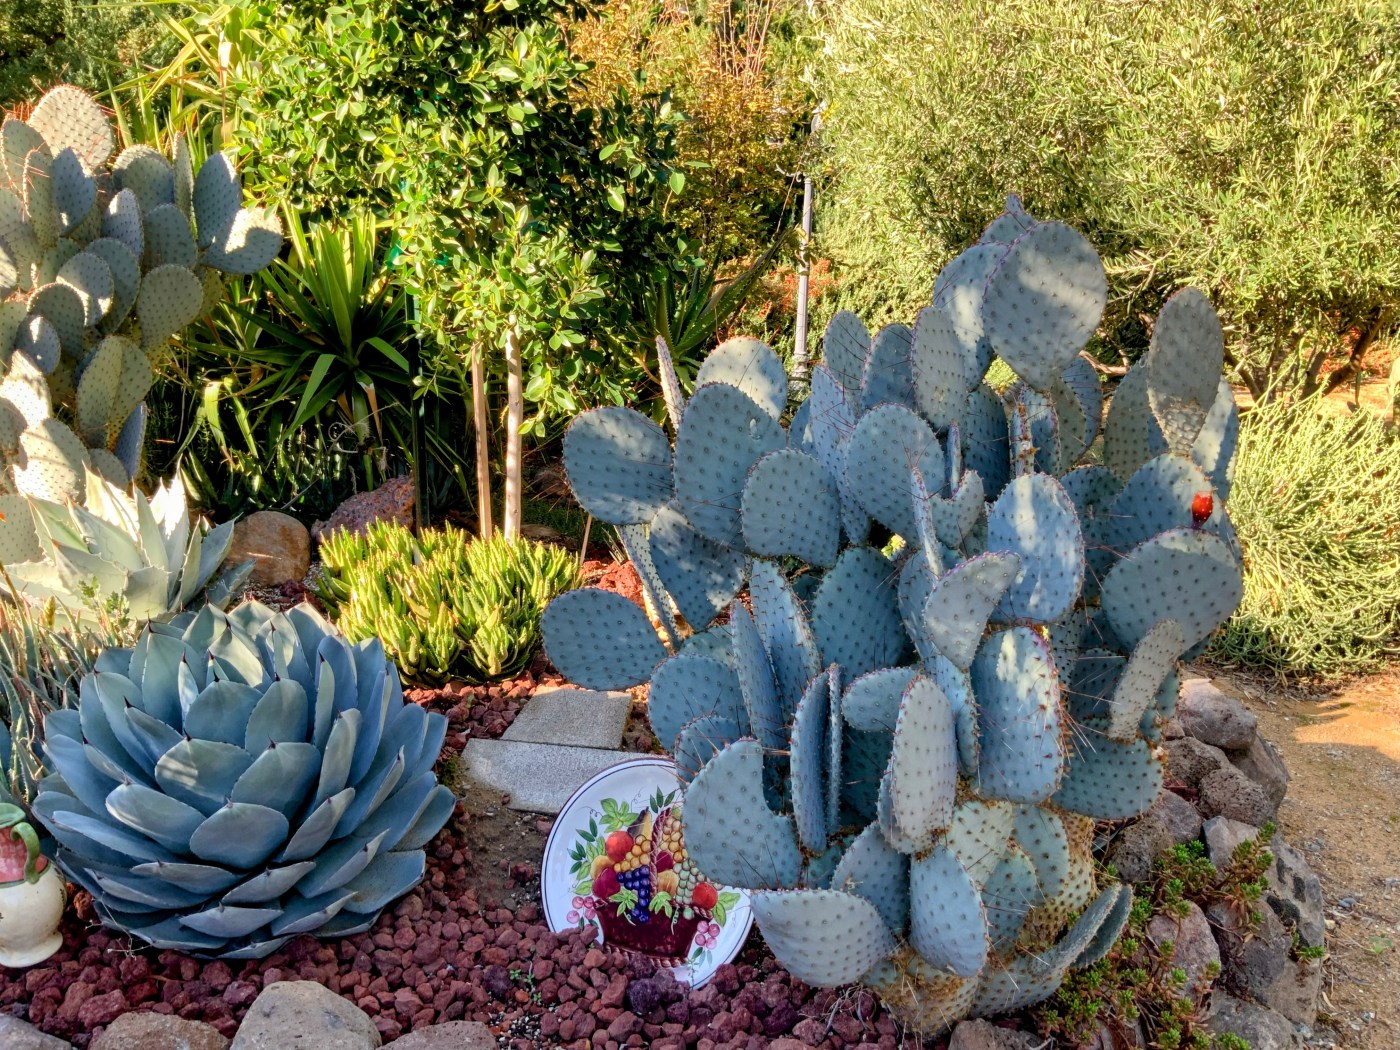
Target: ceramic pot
<point>29,916</point>
<point>31,899</point>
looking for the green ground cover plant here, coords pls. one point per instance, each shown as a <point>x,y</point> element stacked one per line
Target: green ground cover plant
<point>445,605</point>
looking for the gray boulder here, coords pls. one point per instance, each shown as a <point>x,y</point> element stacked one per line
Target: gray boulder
<point>303,1015</point>
<point>1214,718</point>
<point>1178,816</point>
<point>1193,946</point>
<point>983,1035</point>
<point>1260,1027</point>
<point>1262,763</point>
<point>1190,760</point>
<point>1229,793</point>
<point>21,1035</point>
<point>1137,846</point>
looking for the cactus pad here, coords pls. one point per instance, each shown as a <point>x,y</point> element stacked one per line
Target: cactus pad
<point>889,375</point>
<point>823,937</point>
<point>169,240</point>
<point>845,346</point>
<point>944,371</point>
<point>1183,366</point>
<point>38,342</point>
<point>1109,780</point>
<point>730,833</point>
<point>790,507</point>
<point>956,611</point>
<point>61,306</point>
<point>91,278</point>
<point>922,778</point>
<point>1147,670</point>
<point>1131,435</point>
<point>700,740</point>
<point>619,465</point>
<point>169,299</point>
<point>1156,498</point>
<point>750,366</point>
<point>755,671</point>
<point>600,639</point>
<point>701,576</point>
<point>67,118</point>
<point>1043,301</point>
<point>855,614</point>
<point>74,191</point>
<point>123,222</point>
<point>722,435</point>
<point>808,753</point>
<point>947,920</point>
<point>889,442</point>
<point>985,446</point>
<point>1010,224</point>
<point>689,686</point>
<point>787,636</point>
<point>1034,519</point>
<point>1214,449</point>
<point>1008,895</point>
<point>1185,575</point>
<point>1018,693</point>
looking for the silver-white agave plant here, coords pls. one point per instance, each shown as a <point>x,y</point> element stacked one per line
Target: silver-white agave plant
<point>116,549</point>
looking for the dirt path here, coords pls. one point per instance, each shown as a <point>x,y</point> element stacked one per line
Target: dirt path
<point>1342,748</point>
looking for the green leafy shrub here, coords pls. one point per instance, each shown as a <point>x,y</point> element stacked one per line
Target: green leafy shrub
<point>1317,505</point>
<point>444,605</point>
<point>1245,149</point>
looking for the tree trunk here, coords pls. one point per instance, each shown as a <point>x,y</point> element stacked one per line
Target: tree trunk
<point>515,418</point>
<point>483,444</point>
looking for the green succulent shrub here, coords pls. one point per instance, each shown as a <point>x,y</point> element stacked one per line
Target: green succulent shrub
<point>959,644</point>
<point>234,780</point>
<point>1317,501</point>
<point>444,604</point>
<point>1245,149</point>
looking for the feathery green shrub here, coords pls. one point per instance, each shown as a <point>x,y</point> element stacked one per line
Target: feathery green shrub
<point>444,604</point>
<point>1316,502</point>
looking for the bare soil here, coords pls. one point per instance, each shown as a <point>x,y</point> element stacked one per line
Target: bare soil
<point>1342,748</point>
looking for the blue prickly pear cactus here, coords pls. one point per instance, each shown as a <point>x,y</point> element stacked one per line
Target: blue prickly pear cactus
<point>958,644</point>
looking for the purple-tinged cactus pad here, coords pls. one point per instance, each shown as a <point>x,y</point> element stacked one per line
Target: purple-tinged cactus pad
<point>619,465</point>
<point>956,611</point>
<point>985,447</point>
<point>872,869</point>
<point>1114,923</point>
<point>790,507</point>
<point>855,614</point>
<point>871,703</point>
<point>807,750</point>
<point>888,375</point>
<point>1156,498</point>
<point>1185,575</point>
<point>74,190</point>
<point>90,276</point>
<point>1010,224</point>
<point>889,442</point>
<point>1087,927</point>
<point>865,756</point>
<point>730,833</point>
<point>979,834</point>
<point>1147,669</point>
<point>845,347</point>
<point>1183,366</point>
<point>945,371</point>
<point>1082,380</point>
<point>1131,435</point>
<point>835,749</point>
<point>125,269</point>
<point>600,640</point>
<point>638,549</point>
<point>1109,780</point>
<point>1009,894</point>
<point>923,770</point>
<point>823,937</point>
<point>1043,301</point>
<point>831,422</point>
<point>169,240</point>
<point>701,739</point>
<point>955,517</point>
<point>700,575</point>
<point>1092,676</point>
<point>1034,519</point>
<point>38,341</point>
<point>722,435</point>
<point>750,366</point>
<point>755,673</point>
<point>947,920</point>
<point>689,686</point>
<point>1041,834</point>
<point>1022,982</point>
<point>915,585</point>
<point>1073,431</point>
<point>63,308</point>
<point>958,292</point>
<point>1214,449</point>
<point>1092,490</point>
<point>787,637</point>
<point>1018,695</point>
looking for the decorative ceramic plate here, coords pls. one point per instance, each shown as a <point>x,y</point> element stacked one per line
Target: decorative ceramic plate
<point>615,861</point>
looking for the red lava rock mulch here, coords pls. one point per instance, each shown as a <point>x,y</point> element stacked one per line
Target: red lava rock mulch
<point>453,950</point>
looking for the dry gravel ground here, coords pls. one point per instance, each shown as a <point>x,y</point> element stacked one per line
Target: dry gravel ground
<point>1342,748</point>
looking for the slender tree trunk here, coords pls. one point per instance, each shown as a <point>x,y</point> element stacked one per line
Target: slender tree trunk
<point>515,418</point>
<point>483,443</point>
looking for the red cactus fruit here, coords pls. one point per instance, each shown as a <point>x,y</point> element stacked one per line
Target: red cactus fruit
<point>1202,505</point>
<point>618,845</point>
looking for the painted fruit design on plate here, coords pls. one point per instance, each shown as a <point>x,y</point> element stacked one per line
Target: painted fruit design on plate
<point>634,880</point>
